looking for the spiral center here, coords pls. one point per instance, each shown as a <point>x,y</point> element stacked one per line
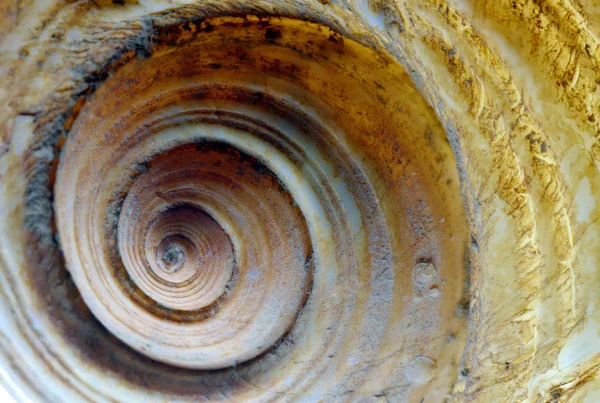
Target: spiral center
<point>172,255</point>
<point>178,255</point>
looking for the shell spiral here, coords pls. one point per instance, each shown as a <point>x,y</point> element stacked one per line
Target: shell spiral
<point>288,201</point>
<point>219,206</point>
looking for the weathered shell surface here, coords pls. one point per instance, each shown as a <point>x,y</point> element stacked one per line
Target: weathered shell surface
<point>371,200</point>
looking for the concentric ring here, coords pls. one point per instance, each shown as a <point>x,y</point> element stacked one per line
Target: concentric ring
<point>187,259</point>
<point>311,231</point>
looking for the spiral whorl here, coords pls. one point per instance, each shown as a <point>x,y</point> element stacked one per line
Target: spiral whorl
<point>299,200</point>
<point>216,253</point>
<point>214,220</point>
<point>264,202</point>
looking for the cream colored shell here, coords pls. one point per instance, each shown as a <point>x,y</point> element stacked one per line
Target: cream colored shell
<point>300,200</point>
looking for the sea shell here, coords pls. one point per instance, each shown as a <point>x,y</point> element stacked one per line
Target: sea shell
<point>299,201</point>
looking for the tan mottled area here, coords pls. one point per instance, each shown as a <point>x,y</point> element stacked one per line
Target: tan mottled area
<point>497,102</point>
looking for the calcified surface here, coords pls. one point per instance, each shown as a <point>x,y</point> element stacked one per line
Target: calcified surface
<point>300,200</point>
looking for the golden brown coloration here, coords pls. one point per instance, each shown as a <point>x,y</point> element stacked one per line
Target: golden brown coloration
<point>265,201</point>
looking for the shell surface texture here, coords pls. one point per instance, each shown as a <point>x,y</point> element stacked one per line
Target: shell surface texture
<point>312,200</point>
